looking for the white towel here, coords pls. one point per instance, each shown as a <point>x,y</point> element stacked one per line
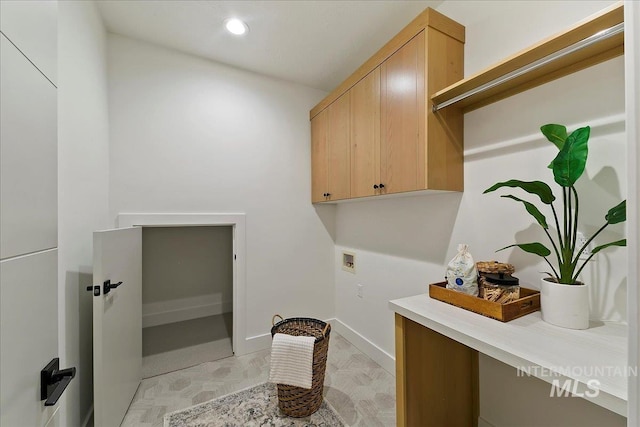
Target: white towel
<point>292,360</point>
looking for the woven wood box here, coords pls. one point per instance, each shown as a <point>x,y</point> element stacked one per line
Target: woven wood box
<point>528,302</point>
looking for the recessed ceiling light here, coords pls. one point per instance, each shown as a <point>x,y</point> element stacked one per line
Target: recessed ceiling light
<point>236,26</point>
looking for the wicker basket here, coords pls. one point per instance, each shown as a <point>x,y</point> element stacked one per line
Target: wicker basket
<point>494,267</point>
<point>296,401</point>
<point>491,267</point>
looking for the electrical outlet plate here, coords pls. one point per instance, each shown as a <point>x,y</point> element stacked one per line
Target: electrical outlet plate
<point>349,261</point>
<point>580,241</point>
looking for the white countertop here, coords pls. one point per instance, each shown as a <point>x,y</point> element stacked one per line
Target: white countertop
<point>598,353</point>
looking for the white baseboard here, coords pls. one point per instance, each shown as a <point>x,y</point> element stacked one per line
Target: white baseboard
<point>384,359</point>
<point>263,341</point>
<point>257,343</point>
<point>161,313</point>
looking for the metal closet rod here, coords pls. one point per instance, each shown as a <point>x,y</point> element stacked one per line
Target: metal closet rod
<point>597,37</point>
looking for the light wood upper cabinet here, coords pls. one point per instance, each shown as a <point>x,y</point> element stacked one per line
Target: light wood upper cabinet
<point>365,135</point>
<point>338,137</point>
<point>443,153</point>
<point>330,167</point>
<point>380,134</point>
<point>319,157</point>
<point>402,118</point>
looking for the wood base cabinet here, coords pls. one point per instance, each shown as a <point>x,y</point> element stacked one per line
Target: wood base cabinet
<point>436,378</point>
<point>382,113</point>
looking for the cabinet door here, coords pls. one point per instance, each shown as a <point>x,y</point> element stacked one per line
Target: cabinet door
<point>117,323</point>
<point>402,117</point>
<point>28,156</point>
<point>338,145</point>
<point>365,135</point>
<point>445,129</point>
<point>319,157</point>
<point>28,335</point>
<point>33,27</point>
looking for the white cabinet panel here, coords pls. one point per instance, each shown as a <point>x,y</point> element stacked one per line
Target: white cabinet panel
<point>28,157</point>
<point>54,421</point>
<point>117,323</point>
<point>28,335</point>
<point>33,27</point>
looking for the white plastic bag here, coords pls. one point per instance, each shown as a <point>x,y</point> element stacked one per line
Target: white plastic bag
<point>462,274</point>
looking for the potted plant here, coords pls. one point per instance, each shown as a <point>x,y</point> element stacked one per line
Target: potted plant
<point>564,300</point>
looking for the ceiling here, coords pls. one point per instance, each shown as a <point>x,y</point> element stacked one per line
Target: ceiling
<point>315,43</point>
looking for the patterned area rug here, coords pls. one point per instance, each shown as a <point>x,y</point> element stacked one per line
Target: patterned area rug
<point>255,406</point>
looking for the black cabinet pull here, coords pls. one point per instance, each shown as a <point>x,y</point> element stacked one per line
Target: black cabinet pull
<point>328,194</point>
<point>381,185</point>
<point>375,186</point>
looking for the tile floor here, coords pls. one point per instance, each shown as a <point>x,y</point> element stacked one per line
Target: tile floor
<point>357,387</point>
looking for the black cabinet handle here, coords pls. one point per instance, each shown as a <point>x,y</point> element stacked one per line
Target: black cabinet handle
<point>381,185</point>
<point>328,194</point>
<point>324,194</point>
<point>375,186</point>
<point>54,381</point>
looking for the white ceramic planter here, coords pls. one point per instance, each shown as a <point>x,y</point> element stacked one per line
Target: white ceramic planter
<point>566,306</point>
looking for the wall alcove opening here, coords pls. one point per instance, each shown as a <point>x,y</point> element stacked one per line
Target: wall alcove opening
<point>193,287</point>
<point>187,296</point>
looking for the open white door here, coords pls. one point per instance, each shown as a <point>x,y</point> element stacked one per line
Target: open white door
<point>117,322</point>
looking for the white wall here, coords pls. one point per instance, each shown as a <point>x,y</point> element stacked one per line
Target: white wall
<point>402,245</point>
<point>190,135</point>
<point>187,272</point>
<point>186,262</point>
<point>83,166</point>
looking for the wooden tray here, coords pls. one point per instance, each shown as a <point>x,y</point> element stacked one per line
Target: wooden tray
<point>528,303</point>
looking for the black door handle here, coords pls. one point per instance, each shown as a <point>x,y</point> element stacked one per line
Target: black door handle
<point>53,381</point>
<point>107,286</point>
<point>381,185</point>
<point>375,186</point>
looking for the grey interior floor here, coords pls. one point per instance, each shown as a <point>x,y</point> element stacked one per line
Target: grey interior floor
<point>167,348</point>
<point>357,387</point>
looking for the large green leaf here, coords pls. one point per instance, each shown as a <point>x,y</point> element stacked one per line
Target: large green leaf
<point>538,188</point>
<point>617,213</point>
<point>532,248</point>
<point>533,210</point>
<point>556,134</point>
<point>597,249</point>
<point>569,164</point>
